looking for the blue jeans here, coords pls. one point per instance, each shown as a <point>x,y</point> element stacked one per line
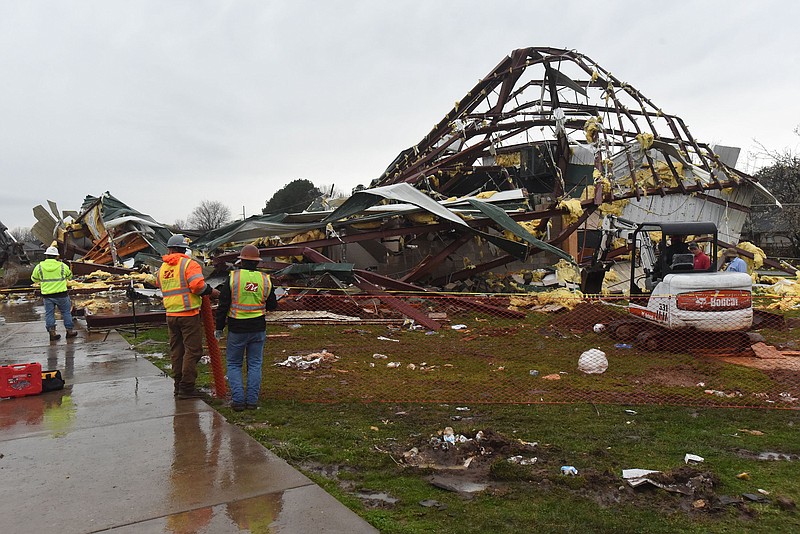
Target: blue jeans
<point>239,343</point>
<point>64,306</point>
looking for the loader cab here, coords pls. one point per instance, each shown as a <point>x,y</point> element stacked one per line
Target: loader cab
<point>660,249</point>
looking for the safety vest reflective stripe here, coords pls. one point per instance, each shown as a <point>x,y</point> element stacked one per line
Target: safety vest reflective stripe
<point>248,301</point>
<point>59,279</point>
<point>177,295</point>
<point>56,281</point>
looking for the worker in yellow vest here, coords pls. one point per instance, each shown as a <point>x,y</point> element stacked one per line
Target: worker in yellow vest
<point>182,287</point>
<point>243,303</point>
<point>52,275</point>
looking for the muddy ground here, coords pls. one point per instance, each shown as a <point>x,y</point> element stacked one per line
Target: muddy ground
<point>492,463</point>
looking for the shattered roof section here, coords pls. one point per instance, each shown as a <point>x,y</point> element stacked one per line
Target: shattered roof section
<point>575,112</point>
<point>366,205</point>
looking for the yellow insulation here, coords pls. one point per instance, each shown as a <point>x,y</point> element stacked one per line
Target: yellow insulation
<point>758,255</point>
<point>592,127</point>
<point>514,159</point>
<point>645,139</point>
<point>565,297</point>
<point>566,272</point>
<point>574,209</point>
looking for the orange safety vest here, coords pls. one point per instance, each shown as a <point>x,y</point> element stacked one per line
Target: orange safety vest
<point>174,284</point>
<point>249,292</point>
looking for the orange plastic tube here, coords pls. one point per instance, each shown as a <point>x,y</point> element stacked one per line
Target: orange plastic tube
<point>220,388</point>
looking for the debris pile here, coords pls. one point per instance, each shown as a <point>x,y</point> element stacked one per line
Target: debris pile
<point>310,361</point>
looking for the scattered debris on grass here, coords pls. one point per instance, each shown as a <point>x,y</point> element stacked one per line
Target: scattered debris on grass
<point>308,361</point>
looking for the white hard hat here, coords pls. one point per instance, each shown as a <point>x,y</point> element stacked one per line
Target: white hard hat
<point>51,251</point>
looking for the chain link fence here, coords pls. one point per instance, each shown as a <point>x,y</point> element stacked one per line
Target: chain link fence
<point>715,349</point>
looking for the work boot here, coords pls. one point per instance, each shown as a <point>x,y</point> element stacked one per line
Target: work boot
<point>192,393</point>
<point>53,335</point>
<point>72,333</point>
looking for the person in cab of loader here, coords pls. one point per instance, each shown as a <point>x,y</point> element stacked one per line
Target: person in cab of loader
<point>183,286</point>
<point>664,264</point>
<point>677,245</point>
<point>733,263</point>
<point>701,260</point>
<point>244,300</point>
<point>52,275</point>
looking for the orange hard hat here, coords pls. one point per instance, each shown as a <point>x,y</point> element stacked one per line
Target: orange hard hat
<point>249,252</point>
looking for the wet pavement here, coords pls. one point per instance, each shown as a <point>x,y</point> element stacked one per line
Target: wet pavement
<point>114,451</point>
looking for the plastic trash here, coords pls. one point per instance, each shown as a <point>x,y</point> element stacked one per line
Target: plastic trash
<point>533,372</point>
<point>599,327</point>
<point>568,470</point>
<point>623,346</point>
<point>383,338</point>
<point>458,327</point>
<point>205,359</point>
<point>631,412</point>
<point>379,356</point>
<point>593,361</point>
<point>393,365</point>
<point>448,436</point>
<point>692,458</point>
<point>462,408</point>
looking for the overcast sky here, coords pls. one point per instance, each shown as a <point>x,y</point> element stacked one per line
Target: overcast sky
<point>168,103</point>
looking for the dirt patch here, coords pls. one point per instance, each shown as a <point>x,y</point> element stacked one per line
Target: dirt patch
<point>489,461</point>
<point>678,376</point>
<point>585,315</point>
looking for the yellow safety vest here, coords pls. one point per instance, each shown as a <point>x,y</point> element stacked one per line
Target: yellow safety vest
<point>178,297</point>
<point>249,292</point>
<point>53,276</point>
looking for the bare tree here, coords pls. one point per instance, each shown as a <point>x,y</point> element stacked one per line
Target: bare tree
<point>209,215</point>
<point>22,234</point>
<point>331,191</point>
<point>782,178</point>
<point>178,225</point>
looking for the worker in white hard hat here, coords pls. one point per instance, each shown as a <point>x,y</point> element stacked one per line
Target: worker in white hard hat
<point>182,287</point>
<point>52,276</point>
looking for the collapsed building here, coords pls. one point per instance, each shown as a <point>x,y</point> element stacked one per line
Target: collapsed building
<point>515,177</point>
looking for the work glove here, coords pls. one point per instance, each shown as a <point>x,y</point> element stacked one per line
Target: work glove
<point>217,334</point>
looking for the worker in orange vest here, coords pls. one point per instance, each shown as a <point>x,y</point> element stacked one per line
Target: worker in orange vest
<point>243,303</point>
<point>183,286</point>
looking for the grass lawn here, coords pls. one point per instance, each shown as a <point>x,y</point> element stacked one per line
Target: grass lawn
<point>355,447</point>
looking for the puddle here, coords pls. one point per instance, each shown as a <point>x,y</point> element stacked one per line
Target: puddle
<point>769,456</point>
<point>457,484</point>
<point>22,310</point>
<point>777,456</point>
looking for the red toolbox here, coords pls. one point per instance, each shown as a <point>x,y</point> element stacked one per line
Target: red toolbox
<point>20,379</point>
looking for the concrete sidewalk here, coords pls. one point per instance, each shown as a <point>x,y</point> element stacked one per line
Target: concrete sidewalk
<point>115,451</point>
